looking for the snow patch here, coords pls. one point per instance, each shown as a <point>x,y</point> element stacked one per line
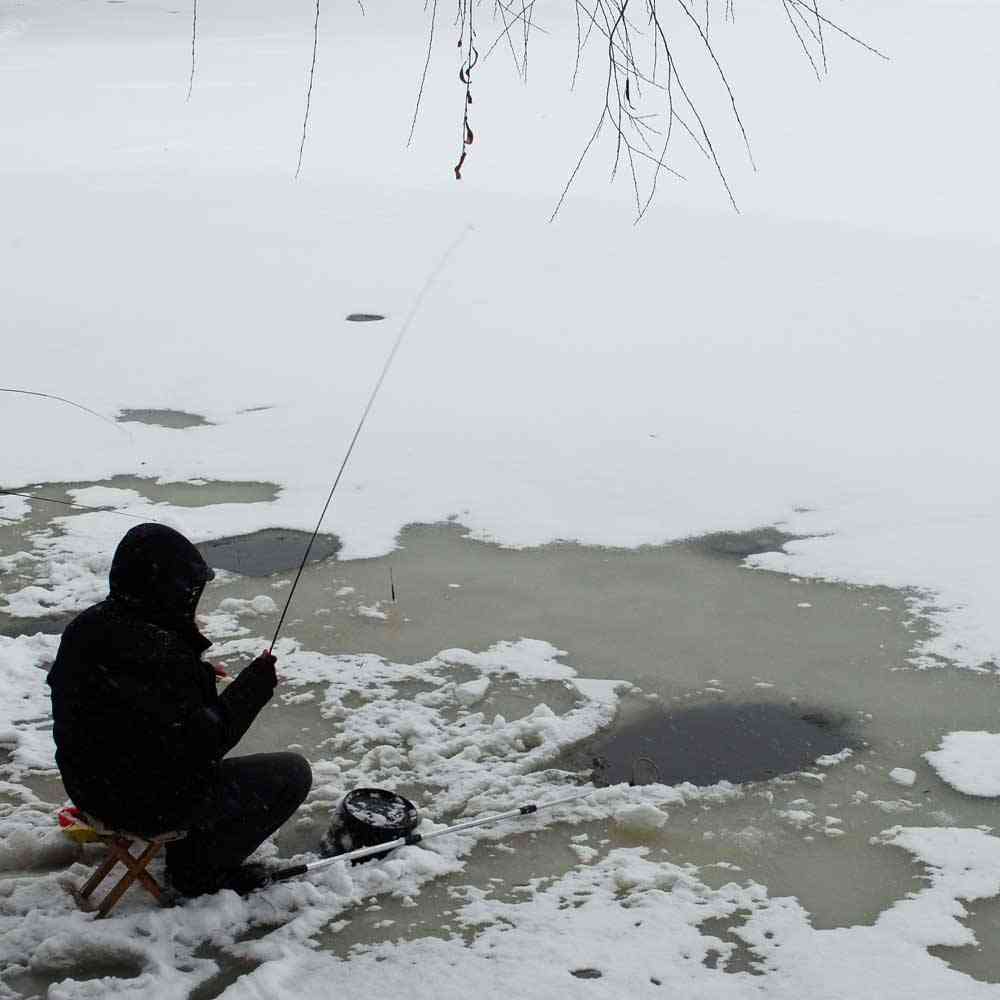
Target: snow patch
<point>969,762</point>
<point>259,605</point>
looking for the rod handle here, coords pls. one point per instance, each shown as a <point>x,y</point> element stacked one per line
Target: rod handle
<point>285,873</point>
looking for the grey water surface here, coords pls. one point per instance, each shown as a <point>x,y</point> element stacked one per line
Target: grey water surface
<point>731,674</point>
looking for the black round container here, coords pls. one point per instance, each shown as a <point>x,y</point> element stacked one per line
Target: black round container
<point>367,817</point>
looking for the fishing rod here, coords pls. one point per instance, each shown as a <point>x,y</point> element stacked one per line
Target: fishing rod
<point>416,838</point>
<point>69,402</point>
<point>421,295</point>
<point>375,815</point>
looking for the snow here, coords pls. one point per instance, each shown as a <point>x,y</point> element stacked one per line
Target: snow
<point>903,776</point>
<point>819,362</point>
<point>259,605</point>
<point>472,691</point>
<point>12,508</point>
<point>25,710</point>
<point>641,819</point>
<point>969,762</point>
<point>832,759</point>
<point>787,389</point>
<point>635,920</point>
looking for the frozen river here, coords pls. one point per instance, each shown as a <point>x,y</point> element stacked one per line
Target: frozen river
<point>723,667</point>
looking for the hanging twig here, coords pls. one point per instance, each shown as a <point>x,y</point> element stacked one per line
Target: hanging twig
<point>470,56</point>
<point>309,91</point>
<point>423,76</point>
<point>194,35</point>
<point>636,74</point>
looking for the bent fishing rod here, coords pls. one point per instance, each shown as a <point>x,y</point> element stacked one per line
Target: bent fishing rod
<point>407,323</point>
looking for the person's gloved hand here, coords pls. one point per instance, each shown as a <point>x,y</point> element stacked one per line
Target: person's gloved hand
<point>242,700</point>
<point>263,667</point>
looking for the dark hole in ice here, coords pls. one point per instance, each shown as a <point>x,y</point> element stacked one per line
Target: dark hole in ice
<point>710,743</point>
<point>586,973</point>
<point>262,553</point>
<point>740,544</point>
<point>174,419</point>
<point>364,317</point>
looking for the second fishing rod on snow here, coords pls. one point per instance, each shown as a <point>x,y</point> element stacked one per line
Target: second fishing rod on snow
<point>371,822</point>
<point>431,278</point>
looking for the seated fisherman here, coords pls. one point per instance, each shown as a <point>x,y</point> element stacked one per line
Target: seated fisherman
<point>141,731</point>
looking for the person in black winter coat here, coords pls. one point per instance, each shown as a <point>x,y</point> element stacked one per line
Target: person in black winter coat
<point>141,731</point>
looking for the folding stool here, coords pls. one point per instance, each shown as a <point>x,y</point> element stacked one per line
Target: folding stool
<point>119,851</point>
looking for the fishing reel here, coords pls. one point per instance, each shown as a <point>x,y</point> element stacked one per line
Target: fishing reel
<point>367,817</point>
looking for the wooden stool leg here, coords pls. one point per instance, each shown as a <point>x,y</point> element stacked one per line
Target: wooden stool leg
<point>148,882</point>
<point>136,870</point>
<point>99,875</point>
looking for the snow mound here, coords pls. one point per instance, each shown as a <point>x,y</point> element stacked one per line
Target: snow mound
<point>641,819</point>
<point>472,691</point>
<point>259,605</point>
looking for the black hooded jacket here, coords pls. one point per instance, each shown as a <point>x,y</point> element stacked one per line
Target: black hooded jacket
<point>138,724</point>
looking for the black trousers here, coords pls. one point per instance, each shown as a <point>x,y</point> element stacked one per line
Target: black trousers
<point>253,796</point>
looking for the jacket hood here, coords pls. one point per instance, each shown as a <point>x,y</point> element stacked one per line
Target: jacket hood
<point>158,571</point>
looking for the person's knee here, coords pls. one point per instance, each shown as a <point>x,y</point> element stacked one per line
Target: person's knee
<point>300,776</point>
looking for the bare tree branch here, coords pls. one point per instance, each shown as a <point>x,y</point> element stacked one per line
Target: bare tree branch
<point>423,76</point>
<point>194,35</point>
<point>309,91</point>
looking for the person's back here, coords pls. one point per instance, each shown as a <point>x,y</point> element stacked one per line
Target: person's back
<point>140,729</point>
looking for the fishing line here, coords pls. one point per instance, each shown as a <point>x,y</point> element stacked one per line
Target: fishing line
<point>70,503</point>
<point>421,295</point>
<point>70,402</point>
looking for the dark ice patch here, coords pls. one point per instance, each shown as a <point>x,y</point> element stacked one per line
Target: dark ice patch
<point>742,957</point>
<point>11,627</point>
<point>740,544</point>
<point>83,968</point>
<point>262,553</point>
<point>174,419</point>
<point>711,743</point>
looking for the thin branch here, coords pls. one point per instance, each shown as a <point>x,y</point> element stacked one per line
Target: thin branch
<point>819,32</point>
<point>579,163</point>
<point>722,76</point>
<point>841,31</point>
<point>423,76</point>
<point>194,35</point>
<point>798,35</point>
<point>309,91</point>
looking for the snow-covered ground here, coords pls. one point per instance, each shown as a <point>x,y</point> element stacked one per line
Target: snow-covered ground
<point>824,361</point>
